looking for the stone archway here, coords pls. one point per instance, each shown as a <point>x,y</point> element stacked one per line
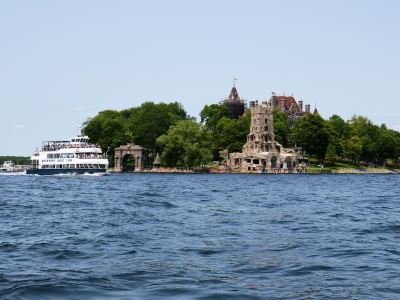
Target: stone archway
<point>123,152</point>
<point>288,162</point>
<point>127,163</point>
<point>273,162</point>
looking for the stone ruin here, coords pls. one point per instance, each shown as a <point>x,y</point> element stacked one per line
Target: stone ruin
<point>261,153</point>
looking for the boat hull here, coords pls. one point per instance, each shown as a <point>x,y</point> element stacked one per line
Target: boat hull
<point>63,171</point>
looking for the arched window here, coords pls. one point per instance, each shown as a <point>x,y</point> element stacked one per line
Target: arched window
<point>266,128</point>
<point>273,162</point>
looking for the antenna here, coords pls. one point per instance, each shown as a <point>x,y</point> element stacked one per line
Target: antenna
<point>234,79</point>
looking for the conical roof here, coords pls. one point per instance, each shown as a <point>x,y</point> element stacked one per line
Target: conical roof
<point>157,160</point>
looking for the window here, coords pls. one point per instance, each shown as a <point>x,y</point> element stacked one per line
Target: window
<point>266,121</point>
<point>256,161</point>
<point>57,155</point>
<point>50,155</point>
<point>266,128</point>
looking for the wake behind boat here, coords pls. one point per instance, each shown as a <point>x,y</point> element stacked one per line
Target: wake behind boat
<point>69,157</point>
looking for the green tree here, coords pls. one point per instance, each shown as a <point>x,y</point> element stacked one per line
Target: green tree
<point>281,128</point>
<point>342,128</point>
<point>232,134</point>
<point>154,120</point>
<point>106,129</point>
<point>187,142</point>
<point>387,147</point>
<point>313,134</point>
<point>211,114</point>
<point>352,148</point>
<point>331,157</point>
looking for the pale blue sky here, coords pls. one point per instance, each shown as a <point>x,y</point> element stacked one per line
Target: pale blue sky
<point>64,61</point>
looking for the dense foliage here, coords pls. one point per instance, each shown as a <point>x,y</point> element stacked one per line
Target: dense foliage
<point>17,160</point>
<point>187,143</point>
<point>357,139</point>
<point>168,129</point>
<point>143,125</point>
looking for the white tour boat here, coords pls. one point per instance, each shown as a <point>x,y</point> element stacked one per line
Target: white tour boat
<point>75,156</point>
<point>8,166</point>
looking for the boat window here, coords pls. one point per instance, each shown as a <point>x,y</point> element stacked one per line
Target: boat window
<point>90,166</point>
<point>51,166</point>
<point>102,166</point>
<point>95,166</point>
<point>58,166</point>
<point>57,155</point>
<point>50,155</point>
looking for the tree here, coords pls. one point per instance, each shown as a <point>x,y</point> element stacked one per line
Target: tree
<point>330,157</point>
<point>154,120</point>
<point>210,115</point>
<point>106,129</point>
<point>232,134</point>
<point>387,147</point>
<point>342,128</point>
<point>281,128</point>
<point>313,134</point>
<point>352,148</point>
<point>187,142</point>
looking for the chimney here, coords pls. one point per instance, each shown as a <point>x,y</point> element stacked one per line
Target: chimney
<point>273,101</point>
<point>252,104</point>
<point>283,107</point>
<point>301,105</point>
<point>307,108</point>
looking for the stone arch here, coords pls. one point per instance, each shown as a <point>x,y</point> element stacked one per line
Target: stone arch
<point>288,162</point>
<point>273,162</point>
<point>125,159</point>
<point>122,154</point>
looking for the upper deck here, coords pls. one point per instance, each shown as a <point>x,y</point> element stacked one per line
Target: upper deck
<point>78,144</point>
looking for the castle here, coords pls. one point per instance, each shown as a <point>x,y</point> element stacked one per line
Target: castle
<point>262,153</point>
<point>286,104</point>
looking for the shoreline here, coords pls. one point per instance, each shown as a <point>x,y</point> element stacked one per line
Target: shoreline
<point>340,172</point>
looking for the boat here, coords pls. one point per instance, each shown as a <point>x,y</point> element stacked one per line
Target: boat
<point>76,156</point>
<point>8,166</point>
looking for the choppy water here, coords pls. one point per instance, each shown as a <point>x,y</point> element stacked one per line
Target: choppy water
<point>200,236</point>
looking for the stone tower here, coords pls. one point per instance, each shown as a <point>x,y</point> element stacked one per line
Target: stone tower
<point>261,137</point>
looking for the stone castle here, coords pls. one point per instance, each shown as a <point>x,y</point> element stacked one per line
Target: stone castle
<point>262,153</point>
<point>286,104</point>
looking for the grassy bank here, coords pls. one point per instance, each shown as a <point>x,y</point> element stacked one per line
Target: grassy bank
<point>342,164</point>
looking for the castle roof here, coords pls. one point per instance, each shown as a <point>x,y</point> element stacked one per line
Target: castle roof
<point>289,101</point>
<point>315,111</point>
<point>234,94</point>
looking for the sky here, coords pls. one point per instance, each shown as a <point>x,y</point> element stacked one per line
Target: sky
<point>62,62</point>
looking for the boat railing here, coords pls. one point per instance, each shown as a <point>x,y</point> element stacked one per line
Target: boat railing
<point>59,147</point>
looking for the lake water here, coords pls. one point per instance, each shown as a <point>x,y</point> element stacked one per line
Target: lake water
<point>200,236</point>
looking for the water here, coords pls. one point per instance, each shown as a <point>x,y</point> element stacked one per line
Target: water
<point>200,236</point>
